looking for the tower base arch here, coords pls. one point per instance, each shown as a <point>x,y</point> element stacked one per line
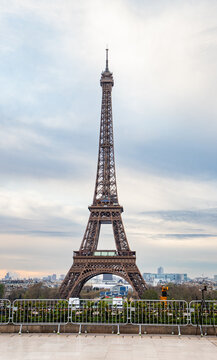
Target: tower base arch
<point>86,267</point>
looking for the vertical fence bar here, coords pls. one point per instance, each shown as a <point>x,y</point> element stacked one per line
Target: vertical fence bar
<point>203,313</point>
<point>5,311</point>
<point>159,312</point>
<point>40,312</point>
<point>100,312</point>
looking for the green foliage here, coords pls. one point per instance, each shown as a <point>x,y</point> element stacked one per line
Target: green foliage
<point>151,294</point>
<point>179,292</point>
<point>189,293</point>
<point>204,313</point>
<point>4,311</point>
<point>2,290</point>
<point>39,311</point>
<point>159,312</point>
<point>94,312</point>
<point>88,293</point>
<point>184,292</point>
<point>36,291</point>
<point>35,312</point>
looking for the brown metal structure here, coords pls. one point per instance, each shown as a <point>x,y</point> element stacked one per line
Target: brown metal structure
<point>88,261</point>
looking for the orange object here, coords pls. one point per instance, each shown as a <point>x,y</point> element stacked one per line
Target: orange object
<point>164,290</point>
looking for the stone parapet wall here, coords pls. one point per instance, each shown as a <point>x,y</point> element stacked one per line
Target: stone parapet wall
<point>109,329</point>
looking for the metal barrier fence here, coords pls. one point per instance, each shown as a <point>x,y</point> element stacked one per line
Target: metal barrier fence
<point>99,312</point>
<point>159,312</point>
<point>203,313</point>
<point>107,312</point>
<point>5,311</point>
<point>40,312</point>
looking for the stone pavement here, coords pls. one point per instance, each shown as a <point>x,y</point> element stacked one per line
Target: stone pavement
<point>108,347</point>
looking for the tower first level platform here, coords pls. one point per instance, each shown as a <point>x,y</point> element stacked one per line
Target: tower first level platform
<point>102,262</point>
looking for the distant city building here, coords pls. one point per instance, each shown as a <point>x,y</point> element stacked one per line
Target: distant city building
<point>62,277</point>
<point>107,277</point>
<point>160,270</point>
<point>7,276</point>
<point>47,278</point>
<point>53,277</point>
<point>215,277</point>
<point>164,277</point>
<point>11,276</point>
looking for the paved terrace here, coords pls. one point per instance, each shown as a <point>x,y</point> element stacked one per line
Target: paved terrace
<point>109,347</point>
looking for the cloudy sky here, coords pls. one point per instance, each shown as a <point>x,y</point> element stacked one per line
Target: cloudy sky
<point>163,56</point>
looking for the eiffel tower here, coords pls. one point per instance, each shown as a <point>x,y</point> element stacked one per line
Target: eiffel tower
<point>88,261</point>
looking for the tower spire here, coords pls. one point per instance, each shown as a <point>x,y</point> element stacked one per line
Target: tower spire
<point>106,67</point>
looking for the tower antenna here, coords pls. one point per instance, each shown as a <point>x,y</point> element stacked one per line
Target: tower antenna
<point>106,68</point>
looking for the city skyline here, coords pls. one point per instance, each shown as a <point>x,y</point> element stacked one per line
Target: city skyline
<point>166,276</point>
<point>164,108</point>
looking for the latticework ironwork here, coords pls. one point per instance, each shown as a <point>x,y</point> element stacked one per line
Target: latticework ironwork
<point>104,210</point>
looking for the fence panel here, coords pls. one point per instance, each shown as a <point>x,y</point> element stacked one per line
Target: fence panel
<point>5,311</point>
<point>159,312</point>
<point>203,312</point>
<point>98,312</point>
<point>40,312</point>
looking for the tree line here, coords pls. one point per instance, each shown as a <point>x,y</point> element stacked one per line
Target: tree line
<point>175,292</point>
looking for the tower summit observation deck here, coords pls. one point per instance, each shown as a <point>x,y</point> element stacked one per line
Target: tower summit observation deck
<point>105,209</point>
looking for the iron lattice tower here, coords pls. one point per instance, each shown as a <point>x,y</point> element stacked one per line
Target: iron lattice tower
<point>88,261</point>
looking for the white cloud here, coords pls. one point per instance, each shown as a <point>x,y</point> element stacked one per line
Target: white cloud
<point>157,192</point>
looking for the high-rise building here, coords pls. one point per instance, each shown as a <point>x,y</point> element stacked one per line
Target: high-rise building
<point>7,276</point>
<point>53,277</point>
<point>160,270</point>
